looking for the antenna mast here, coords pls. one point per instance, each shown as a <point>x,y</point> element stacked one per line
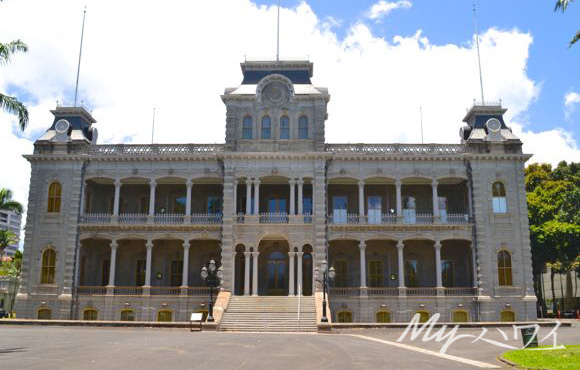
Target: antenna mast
<point>80,54</point>
<point>153,125</point>
<point>278,35</point>
<point>478,56</point>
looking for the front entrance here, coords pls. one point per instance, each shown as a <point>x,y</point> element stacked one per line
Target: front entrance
<point>276,270</point>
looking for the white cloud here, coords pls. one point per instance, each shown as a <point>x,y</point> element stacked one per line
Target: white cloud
<point>179,56</point>
<point>571,100</point>
<point>383,8</point>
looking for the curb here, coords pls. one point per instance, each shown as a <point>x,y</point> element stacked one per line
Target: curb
<point>113,324</point>
<point>513,364</point>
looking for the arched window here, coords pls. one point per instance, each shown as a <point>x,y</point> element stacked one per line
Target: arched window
<point>48,266</point>
<point>383,316</point>
<point>54,196</point>
<point>423,315</point>
<point>498,197</point>
<point>266,127</point>
<point>44,314</point>
<point>344,316</point>
<point>508,315</point>
<point>460,316</point>
<point>164,315</point>
<point>90,314</point>
<point>504,268</point>
<point>284,128</point>
<point>247,128</point>
<point>127,315</point>
<point>303,127</point>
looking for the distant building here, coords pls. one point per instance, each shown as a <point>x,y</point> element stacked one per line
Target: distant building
<point>11,221</point>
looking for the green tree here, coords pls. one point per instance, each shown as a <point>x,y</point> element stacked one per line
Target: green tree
<point>10,103</point>
<point>563,5</point>
<point>6,202</point>
<point>7,238</point>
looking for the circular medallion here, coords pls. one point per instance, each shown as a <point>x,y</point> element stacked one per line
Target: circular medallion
<point>61,126</point>
<point>276,93</point>
<point>493,125</point>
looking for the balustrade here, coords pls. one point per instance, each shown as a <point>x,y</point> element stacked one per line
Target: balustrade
<point>460,291</point>
<point>422,291</point>
<point>96,218</point>
<point>273,218</point>
<point>388,291</point>
<point>169,218</point>
<point>206,218</point>
<point>132,218</point>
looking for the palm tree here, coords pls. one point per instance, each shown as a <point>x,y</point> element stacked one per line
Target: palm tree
<point>7,238</point>
<point>562,5</point>
<point>6,202</point>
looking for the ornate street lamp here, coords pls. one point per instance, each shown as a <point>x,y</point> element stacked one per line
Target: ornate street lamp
<point>327,277</point>
<point>213,278</point>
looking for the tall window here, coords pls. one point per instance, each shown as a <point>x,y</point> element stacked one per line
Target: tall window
<point>498,197</point>
<point>179,205</point>
<point>344,316</point>
<point>375,273</point>
<point>341,277</point>
<point>383,316</point>
<point>247,128</point>
<point>284,127</point>
<point>48,266</point>
<point>164,315</point>
<point>176,272</point>
<point>214,205</point>
<point>447,273</point>
<point>411,273</point>
<point>460,316</point>
<point>127,315</point>
<point>44,314</point>
<point>303,127</point>
<point>90,314</point>
<point>504,268</point>
<point>105,269</point>
<point>266,127</point>
<point>140,273</point>
<point>54,196</point>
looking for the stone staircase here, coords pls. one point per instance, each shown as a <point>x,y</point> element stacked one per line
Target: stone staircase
<point>269,314</point>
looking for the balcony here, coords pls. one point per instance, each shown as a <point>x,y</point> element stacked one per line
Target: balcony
<point>158,219</point>
<point>395,292</point>
<point>139,290</point>
<point>391,219</point>
<point>273,218</point>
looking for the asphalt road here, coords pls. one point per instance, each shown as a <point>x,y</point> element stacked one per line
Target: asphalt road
<point>168,349</point>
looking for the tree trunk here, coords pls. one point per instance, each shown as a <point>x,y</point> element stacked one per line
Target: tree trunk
<point>562,291</point>
<point>554,302</point>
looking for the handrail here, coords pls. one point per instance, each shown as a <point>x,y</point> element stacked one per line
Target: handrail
<point>413,149</point>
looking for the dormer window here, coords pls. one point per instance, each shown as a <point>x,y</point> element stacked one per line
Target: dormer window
<point>284,128</point>
<point>247,128</point>
<point>303,128</point>
<point>266,128</point>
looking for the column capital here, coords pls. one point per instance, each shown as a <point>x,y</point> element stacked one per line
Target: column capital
<point>437,244</point>
<point>300,181</point>
<point>118,182</point>
<point>255,254</point>
<point>236,182</point>
<point>189,183</point>
<point>292,254</point>
<point>114,244</point>
<point>149,244</point>
<point>398,182</point>
<point>361,183</point>
<point>247,254</point>
<point>299,254</point>
<point>400,244</point>
<point>292,181</point>
<point>256,181</point>
<point>249,181</point>
<point>186,244</point>
<point>152,182</point>
<point>362,244</point>
<point>434,182</point>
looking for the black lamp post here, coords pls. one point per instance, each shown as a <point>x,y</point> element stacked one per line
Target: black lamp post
<point>213,278</point>
<point>327,277</point>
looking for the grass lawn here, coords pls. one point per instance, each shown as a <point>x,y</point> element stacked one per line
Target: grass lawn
<point>558,359</point>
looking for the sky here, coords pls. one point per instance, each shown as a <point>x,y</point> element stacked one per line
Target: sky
<point>382,62</point>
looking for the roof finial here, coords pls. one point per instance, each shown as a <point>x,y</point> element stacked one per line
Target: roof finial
<point>80,54</point>
<point>278,35</point>
<point>478,56</point>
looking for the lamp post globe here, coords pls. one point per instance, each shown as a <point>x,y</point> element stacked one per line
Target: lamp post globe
<point>327,275</point>
<point>212,277</point>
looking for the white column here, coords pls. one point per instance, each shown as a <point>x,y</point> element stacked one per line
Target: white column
<point>363,264</point>
<point>255,274</point>
<point>291,282</point>
<point>114,246</point>
<point>292,197</point>
<point>361,199</point>
<point>438,264</point>
<point>257,197</point>
<point>299,273</point>
<point>300,197</point>
<point>189,185</point>
<point>149,246</point>
<point>401,264</point>
<point>117,196</point>
<point>247,256</point>
<point>152,186</point>
<point>398,185</point>
<point>184,279</point>
<point>435,200</point>
<point>235,200</point>
<point>248,197</point>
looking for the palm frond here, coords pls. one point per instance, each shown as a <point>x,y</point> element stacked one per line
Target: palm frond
<point>575,39</point>
<point>12,105</point>
<point>562,4</point>
<point>6,202</point>
<point>6,50</point>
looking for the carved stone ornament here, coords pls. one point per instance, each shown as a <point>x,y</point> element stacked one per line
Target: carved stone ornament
<point>276,93</point>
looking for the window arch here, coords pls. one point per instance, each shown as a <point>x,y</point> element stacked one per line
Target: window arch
<point>504,268</point>
<point>383,316</point>
<point>344,316</point>
<point>423,315</point>
<point>303,127</point>
<point>266,127</point>
<point>127,315</point>
<point>247,128</point>
<point>48,266</point>
<point>164,316</point>
<point>498,197</point>
<point>44,314</point>
<point>90,314</point>
<point>460,316</point>
<point>284,128</point>
<point>54,197</point>
<point>508,315</point>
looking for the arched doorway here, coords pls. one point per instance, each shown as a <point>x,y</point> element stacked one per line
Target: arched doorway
<point>276,271</point>
<point>273,267</point>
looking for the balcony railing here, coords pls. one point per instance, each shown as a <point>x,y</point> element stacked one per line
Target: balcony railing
<point>198,291</point>
<point>394,292</point>
<point>408,149</point>
<point>132,218</point>
<point>92,290</point>
<point>96,218</point>
<point>139,290</point>
<point>345,292</point>
<point>273,218</point>
<point>460,291</point>
<point>206,218</point>
<point>422,291</point>
<point>408,218</point>
<point>169,218</point>
<point>154,149</point>
<point>455,218</point>
<point>389,291</point>
<point>164,290</point>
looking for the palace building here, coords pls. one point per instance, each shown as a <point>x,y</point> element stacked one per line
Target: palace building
<point>121,232</point>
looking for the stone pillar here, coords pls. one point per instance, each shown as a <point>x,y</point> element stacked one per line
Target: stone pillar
<point>291,282</point>
<point>248,197</point>
<point>152,186</point>
<point>83,191</point>
<point>361,200</point>
<point>112,267</point>
<point>292,197</point>
<point>469,199</point>
<point>257,197</point>
<point>235,200</point>
<point>117,199</point>
<point>398,186</point>
<point>255,274</point>
<point>189,185</point>
<point>247,256</point>
<point>401,264</point>
<point>299,273</point>
<point>149,246</point>
<point>363,264</point>
<point>184,279</point>
<point>438,264</point>
<point>434,185</point>
<point>300,197</point>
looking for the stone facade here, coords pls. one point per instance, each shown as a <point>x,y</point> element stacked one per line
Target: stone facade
<point>407,227</point>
